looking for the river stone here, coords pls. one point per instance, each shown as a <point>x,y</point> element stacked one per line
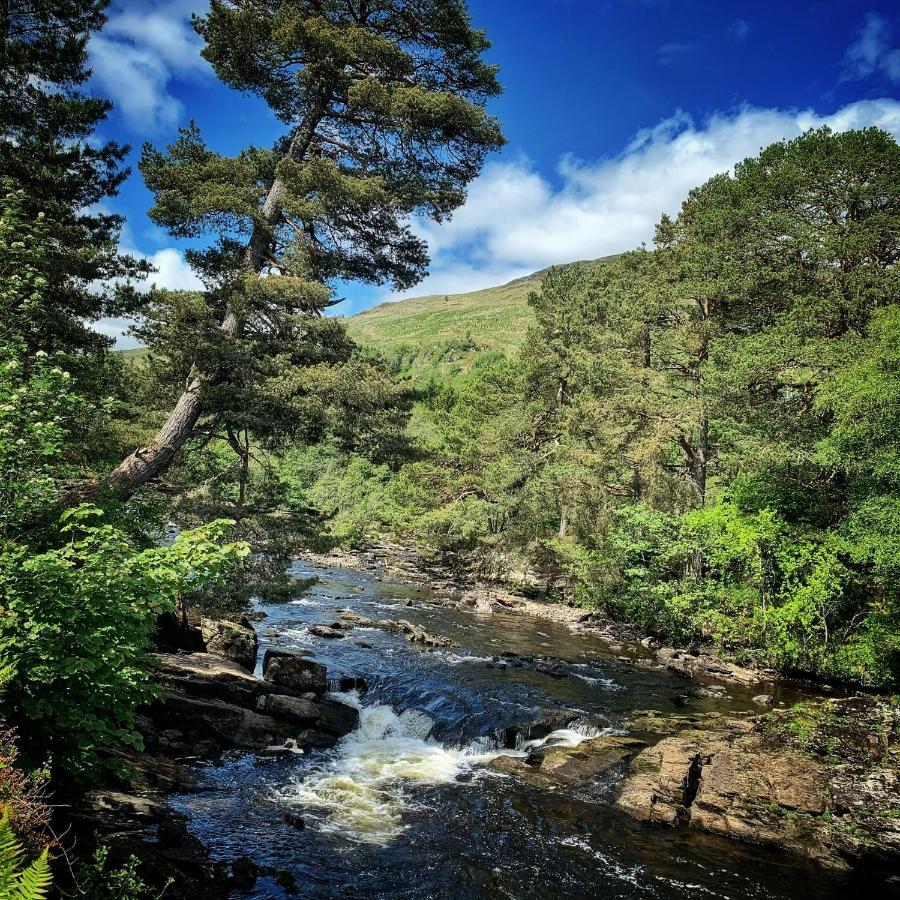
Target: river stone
<point>237,642</point>
<point>763,699</point>
<point>337,718</point>
<point>325,631</point>
<point>292,709</point>
<point>569,765</point>
<point>353,683</point>
<point>297,673</point>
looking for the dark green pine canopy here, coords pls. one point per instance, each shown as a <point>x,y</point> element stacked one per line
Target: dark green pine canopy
<point>383,103</point>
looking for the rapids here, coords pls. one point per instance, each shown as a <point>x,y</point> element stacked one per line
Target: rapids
<point>402,808</point>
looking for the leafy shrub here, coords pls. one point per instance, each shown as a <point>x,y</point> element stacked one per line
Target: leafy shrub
<point>98,880</point>
<point>75,625</point>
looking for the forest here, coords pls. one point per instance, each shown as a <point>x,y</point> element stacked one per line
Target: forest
<point>699,437</point>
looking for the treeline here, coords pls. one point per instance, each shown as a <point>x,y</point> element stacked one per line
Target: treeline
<point>702,437</point>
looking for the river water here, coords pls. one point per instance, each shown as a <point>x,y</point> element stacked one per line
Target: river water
<point>403,808</point>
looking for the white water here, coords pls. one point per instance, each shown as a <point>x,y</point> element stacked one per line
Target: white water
<point>360,789</point>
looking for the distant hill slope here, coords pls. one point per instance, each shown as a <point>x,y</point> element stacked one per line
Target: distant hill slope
<point>442,334</point>
<point>448,332</point>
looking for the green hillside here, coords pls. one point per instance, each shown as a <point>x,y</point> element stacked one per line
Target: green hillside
<point>448,332</point>
<point>137,355</point>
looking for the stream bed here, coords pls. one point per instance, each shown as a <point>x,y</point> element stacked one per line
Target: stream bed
<point>403,807</point>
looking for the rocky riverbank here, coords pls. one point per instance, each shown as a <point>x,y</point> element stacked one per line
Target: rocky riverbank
<point>483,598</point>
<point>210,702</point>
<point>821,779</point>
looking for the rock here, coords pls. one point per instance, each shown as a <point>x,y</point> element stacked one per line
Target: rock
<point>227,724</point>
<point>557,670</point>
<point>292,709</point>
<point>763,699</point>
<point>118,809</point>
<point>765,780</point>
<point>546,722</point>
<point>297,673</point>
<point>208,675</point>
<point>174,632</point>
<point>237,642</point>
<point>244,873</point>
<point>569,765</point>
<point>337,718</point>
<point>689,665</point>
<point>353,683</point>
<point>295,820</point>
<point>325,631</point>
<point>173,834</point>
<point>416,634</point>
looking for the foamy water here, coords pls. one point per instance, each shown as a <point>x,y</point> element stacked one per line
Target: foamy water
<point>360,790</point>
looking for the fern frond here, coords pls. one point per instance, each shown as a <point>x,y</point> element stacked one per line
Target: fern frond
<point>11,855</point>
<point>35,881</point>
<point>31,883</point>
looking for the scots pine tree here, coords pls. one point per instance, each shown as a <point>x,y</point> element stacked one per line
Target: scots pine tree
<point>383,105</point>
<point>48,151</point>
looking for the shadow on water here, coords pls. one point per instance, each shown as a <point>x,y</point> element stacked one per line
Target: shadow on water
<point>401,807</point>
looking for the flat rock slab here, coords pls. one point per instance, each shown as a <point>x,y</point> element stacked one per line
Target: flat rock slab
<point>564,766</point>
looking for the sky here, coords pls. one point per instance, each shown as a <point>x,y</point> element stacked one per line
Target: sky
<point>613,111</point>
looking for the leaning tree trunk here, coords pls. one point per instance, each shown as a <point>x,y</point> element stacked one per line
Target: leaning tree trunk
<point>149,462</point>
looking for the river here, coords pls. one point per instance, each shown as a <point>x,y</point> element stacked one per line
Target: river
<point>403,808</point>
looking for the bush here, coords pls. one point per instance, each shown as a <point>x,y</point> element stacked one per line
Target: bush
<point>75,627</point>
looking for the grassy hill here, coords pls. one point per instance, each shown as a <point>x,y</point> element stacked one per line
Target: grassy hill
<point>442,333</point>
<point>136,356</point>
<point>447,332</point>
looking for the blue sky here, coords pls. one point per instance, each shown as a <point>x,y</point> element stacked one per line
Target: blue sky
<point>613,111</point>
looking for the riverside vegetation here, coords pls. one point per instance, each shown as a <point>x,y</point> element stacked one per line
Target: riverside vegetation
<point>699,438</point>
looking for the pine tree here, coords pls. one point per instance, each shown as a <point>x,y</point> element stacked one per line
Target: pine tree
<point>383,107</point>
<point>48,150</point>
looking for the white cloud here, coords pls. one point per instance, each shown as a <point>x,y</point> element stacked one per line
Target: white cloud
<point>871,53</point>
<point>516,221</point>
<point>143,48</point>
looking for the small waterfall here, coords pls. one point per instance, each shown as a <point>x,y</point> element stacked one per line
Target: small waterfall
<point>359,788</point>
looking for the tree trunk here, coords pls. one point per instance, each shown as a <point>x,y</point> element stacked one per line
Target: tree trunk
<point>701,454</point>
<point>698,471</point>
<point>149,462</point>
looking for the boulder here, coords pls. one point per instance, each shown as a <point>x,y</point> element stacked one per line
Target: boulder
<point>284,669</point>
<point>292,709</point>
<point>208,675</point>
<point>336,718</point>
<point>325,631</point>
<point>237,642</point>
<point>569,766</point>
